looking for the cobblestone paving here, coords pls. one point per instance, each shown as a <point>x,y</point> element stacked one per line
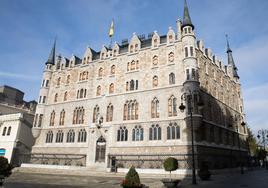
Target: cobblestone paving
<point>251,179</point>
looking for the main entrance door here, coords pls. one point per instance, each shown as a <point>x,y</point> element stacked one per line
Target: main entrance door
<point>100,149</point>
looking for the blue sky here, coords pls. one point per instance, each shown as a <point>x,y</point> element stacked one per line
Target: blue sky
<point>28,28</point>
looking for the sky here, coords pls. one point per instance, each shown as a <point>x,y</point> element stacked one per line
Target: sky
<point>29,27</point>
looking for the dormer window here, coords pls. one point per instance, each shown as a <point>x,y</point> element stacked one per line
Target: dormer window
<point>170,38</point>
<point>114,53</point>
<point>131,48</point>
<point>136,47</point>
<point>155,43</point>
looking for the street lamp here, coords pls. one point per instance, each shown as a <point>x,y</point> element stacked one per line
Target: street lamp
<point>238,139</point>
<point>190,98</point>
<point>263,137</point>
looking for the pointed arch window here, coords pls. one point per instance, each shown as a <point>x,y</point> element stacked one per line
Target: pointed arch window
<point>82,136</point>
<point>52,118</point>
<point>49,137</point>
<point>96,111</point>
<point>98,92</point>
<point>137,133</point>
<point>155,108</point>
<point>112,69</point>
<point>131,110</point>
<point>155,132</point>
<point>111,88</point>
<point>62,117</point>
<point>65,96</point>
<point>70,136</point>
<point>155,81</point>
<point>78,115</point>
<point>171,57</point>
<point>59,136</point>
<point>172,106</point>
<point>122,134</point>
<point>56,97</point>
<point>171,78</point>
<point>173,131</point>
<point>100,74</point>
<point>109,113</point>
<point>68,79</point>
<point>155,60</point>
<point>58,81</point>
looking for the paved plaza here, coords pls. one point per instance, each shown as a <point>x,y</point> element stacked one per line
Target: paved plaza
<point>255,179</point>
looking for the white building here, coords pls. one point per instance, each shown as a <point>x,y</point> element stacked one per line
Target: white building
<point>16,138</point>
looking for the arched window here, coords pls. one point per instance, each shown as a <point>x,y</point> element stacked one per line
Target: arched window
<point>155,81</point>
<point>8,130</point>
<point>131,110</point>
<point>49,137</point>
<point>56,97</point>
<point>68,79</point>
<point>171,57</point>
<point>173,131</point>
<point>82,136</point>
<point>131,48</point>
<point>98,92</point>
<point>62,117</point>
<point>171,78</point>
<point>111,88</point>
<point>4,131</point>
<point>132,85</point>
<point>112,69</point>
<point>65,96</point>
<point>109,113</point>
<point>137,133</point>
<point>155,108</point>
<point>136,47</point>
<point>122,134</point>
<point>59,136</point>
<point>95,113</point>
<point>100,74</point>
<point>52,118</point>
<point>132,65</point>
<point>70,136</point>
<point>172,106</point>
<point>58,81</point>
<point>155,60</point>
<point>155,42</point>
<point>191,51</point>
<point>155,132</point>
<point>128,66</point>
<point>78,115</point>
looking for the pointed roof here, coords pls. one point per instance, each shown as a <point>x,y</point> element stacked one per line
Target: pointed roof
<point>186,17</point>
<point>231,59</point>
<point>51,58</point>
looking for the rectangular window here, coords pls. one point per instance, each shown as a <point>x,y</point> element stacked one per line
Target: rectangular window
<point>44,99</point>
<point>191,51</point>
<point>186,51</point>
<point>187,74</point>
<point>40,120</point>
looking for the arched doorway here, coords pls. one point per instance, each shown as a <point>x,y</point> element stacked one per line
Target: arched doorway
<point>100,149</point>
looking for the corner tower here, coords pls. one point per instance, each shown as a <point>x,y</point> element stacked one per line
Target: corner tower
<point>189,55</point>
<point>43,94</point>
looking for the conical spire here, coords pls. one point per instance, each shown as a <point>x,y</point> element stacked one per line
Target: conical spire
<point>186,16</point>
<point>231,59</point>
<point>51,58</point>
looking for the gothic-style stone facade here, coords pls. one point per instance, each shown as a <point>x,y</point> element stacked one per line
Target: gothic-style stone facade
<point>123,102</point>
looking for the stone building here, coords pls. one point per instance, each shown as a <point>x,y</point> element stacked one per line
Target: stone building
<point>122,103</point>
<point>16,119</point>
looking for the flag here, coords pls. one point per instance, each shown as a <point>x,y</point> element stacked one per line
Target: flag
<point>111,30</point>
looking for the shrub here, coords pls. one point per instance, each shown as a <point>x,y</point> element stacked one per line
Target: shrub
<point>170,164</point>
<point>132,179</point>
<point>5,167</point>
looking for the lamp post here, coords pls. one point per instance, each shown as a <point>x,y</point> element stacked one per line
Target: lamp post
<point>188,97</point>
<point>239,147</point>
<point>263,137</point>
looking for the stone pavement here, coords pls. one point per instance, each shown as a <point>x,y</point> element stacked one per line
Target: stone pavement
<point>251,179</point>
